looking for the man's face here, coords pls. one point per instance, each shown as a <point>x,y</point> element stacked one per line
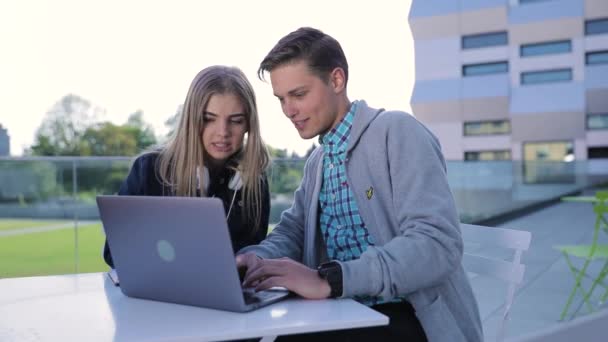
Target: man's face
<point>309,102</point>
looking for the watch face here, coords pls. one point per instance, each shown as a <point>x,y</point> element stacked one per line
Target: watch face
<point>332,272</point>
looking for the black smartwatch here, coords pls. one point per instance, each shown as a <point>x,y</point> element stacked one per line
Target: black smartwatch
<point>332,272</point>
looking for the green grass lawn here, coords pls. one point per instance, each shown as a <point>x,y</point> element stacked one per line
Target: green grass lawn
<point>9,224</point>
<point>51,252</point>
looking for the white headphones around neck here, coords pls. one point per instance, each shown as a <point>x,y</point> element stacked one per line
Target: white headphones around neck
<point>235,184</point>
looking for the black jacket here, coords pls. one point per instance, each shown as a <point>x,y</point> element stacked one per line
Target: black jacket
<point>143,180</point>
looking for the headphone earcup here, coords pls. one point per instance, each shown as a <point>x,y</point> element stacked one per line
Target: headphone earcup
<point>206,179</point>
<point>236,182</point>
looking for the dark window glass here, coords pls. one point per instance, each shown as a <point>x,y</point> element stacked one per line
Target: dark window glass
<point>531,1</point>
<point>562,46</point>
<point>485,68</point>
<point>546,76</point>
<point>475,41</point>
<point>597,26</point>
<point>596,57</point>
<point>597,152</point>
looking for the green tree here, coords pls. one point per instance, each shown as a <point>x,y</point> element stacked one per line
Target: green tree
<point>70,129</point>
<point>141,131</point>
<point>276,153</point>
<point>63,126</point>
<point>172,122</point>
<point>107,139</point>
<point>286,172</point>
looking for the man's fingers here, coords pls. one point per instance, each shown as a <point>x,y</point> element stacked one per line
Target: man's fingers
<point>246,261</point>
<point>240,261</point>
<point>252,268</point>
<point>266,269</point>
<point>270,282</point>
<point>256,274</point>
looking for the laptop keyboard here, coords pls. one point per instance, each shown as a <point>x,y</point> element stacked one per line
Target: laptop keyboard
<point>252,297</point>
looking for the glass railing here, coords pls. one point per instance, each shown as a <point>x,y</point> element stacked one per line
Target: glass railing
<point>488,189</point>
<point>49,222</point>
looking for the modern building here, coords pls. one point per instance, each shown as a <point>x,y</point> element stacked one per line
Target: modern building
<point>5,142</point>
<point>513,79</point>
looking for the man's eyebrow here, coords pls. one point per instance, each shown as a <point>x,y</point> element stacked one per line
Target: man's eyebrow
<point>293,91</point>
<point>298,89</point>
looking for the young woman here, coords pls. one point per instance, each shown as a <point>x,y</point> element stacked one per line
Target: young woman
<point>216,151</point>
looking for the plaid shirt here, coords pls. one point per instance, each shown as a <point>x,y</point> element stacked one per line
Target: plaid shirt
<point>343,229</point>
<point>344,232</point>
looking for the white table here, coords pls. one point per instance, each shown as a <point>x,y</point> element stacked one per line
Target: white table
<point>88,307</point>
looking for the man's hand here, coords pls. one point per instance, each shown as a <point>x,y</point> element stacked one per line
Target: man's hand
<point>296,277</point>
<point>245,262</point>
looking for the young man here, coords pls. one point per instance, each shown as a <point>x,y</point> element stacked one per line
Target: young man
<point>373,218</point>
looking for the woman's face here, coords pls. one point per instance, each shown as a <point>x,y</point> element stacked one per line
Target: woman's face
<point>224,127</point>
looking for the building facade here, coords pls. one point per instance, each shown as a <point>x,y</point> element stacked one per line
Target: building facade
<point>5,142</point>
<point>513,79</point>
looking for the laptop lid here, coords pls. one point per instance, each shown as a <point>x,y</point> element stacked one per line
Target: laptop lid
<point>175,249</point>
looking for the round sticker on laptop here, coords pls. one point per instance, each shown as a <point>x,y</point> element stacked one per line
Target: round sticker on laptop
<point>165,250</point>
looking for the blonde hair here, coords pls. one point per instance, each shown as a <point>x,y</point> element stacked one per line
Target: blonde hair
<point>183,155</point>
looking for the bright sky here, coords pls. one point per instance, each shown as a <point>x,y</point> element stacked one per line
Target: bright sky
<point>125,55</point>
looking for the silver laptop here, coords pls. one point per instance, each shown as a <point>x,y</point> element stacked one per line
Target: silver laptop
<point>178,250</point>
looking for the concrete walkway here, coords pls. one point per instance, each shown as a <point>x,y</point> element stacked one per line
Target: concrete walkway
<point>39,229</point>
<point>548,280</point>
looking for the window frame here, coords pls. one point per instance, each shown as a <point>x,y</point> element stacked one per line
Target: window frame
<point>464,128</point>
<point>522,47</point>
<point>488,151</point>
<point>595,129</point>
<point>598,52</point>
<point>465,66</point>
<point>523,75</point>
<point>602,30</point>
<point>480,36</point>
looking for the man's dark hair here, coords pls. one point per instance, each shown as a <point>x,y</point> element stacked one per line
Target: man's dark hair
<point>320,51</point>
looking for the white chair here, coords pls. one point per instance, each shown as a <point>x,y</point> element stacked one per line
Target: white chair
<point>511,271</point>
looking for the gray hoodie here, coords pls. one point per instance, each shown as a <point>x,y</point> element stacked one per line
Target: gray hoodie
<point>397,174</point>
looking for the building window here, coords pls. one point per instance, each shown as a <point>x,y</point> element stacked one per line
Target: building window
<point>597,152</point>
<point>549,151</point>
<point>546,76</point>
<point>487,127</point>
<point>531,1</point>
<point>549,48</point>
<point>485,68</point>
<point>596,57</point>
<point>597,121</point>
<point>597,26</point>
<point>487,155</point>
<point>549,162</point>
<point>475,41</point>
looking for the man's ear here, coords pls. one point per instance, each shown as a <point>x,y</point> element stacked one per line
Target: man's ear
<point>337,80</point>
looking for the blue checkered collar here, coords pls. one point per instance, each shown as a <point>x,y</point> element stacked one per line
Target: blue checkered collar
<point>336,139</point>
